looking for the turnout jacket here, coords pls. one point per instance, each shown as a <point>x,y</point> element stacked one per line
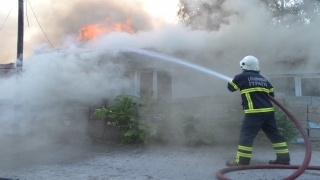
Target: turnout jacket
<point>254,90</point>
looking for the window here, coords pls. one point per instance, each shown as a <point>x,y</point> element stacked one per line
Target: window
<point>130,75</point>
<point>283,85</point>
<point>142,81</point>
<point>164,83</point>
<point>310,86</point>
<point>146,81</point>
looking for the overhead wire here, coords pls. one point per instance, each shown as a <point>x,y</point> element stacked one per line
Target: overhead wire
<point>27,14</point>
<point>40,25</point>
<point>5,19</point>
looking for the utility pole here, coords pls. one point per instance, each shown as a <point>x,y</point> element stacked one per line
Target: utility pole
<point>19,62</point>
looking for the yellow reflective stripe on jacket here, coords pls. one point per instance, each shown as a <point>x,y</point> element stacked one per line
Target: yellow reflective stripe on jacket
<point>251,109</point>
<point>258,89</point>
<point>259,110</point>
<point>234,85</point>
<point>271,90</point>
<point>250,105</point>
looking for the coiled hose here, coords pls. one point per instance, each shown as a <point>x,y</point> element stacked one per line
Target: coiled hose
<point>300,168</point>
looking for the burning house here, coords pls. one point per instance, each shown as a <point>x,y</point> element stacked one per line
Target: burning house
<point>72,80</point>
<point>290,80</point>
<point>7,70</point>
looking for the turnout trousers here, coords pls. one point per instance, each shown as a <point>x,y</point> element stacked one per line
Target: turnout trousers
<point>251,125</point>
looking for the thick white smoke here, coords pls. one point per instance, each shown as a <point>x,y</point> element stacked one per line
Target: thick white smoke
<point>87,72</point>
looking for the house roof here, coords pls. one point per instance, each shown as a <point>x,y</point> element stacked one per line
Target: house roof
<point>7,66</point>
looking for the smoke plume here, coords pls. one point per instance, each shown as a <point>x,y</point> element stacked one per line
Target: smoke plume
<point>88,71</point>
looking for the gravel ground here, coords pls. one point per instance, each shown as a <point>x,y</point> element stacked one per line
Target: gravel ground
<point>114,161</point>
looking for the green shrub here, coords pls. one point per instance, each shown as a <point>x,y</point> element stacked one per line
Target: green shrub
<point>196,131</point>
<point>229,123</point>
<point>285,125</point>
<point>235,116</point>
<point>142,119</point>
<point>154,117</point>
<point>136,117</point>
<point>125,115</point>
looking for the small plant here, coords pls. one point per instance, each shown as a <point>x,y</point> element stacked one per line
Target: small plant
<point>137,117</point>
<point>197,131</point>
<point>230,122</point>
<point>124,114</point>
<point>285,126</point>
<point>153,117</point>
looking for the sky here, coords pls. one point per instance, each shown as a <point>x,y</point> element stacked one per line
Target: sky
<point>157,12</point>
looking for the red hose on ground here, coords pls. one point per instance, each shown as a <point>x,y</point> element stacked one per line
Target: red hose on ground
<point>300,169</point>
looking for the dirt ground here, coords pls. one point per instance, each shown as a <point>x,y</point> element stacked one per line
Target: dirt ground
<point>116,161</point>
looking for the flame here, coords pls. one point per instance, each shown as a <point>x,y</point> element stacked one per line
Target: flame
<point>92,31</point>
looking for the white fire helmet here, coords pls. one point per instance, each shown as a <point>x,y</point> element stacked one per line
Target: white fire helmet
<point>249,63</point>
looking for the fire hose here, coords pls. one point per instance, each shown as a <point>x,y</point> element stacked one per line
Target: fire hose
<point>300,168</point>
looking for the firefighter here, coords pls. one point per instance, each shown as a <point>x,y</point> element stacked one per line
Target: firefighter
<point>259,113</point>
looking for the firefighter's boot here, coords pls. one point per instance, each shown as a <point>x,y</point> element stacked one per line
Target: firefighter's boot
<point>282,152</point>
<point>232,163</point>
<point>243,156</point>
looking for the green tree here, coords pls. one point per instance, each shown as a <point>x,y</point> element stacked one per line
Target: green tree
<point>209,15</point>
<point>202,15</point>
<point>286,11</point>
